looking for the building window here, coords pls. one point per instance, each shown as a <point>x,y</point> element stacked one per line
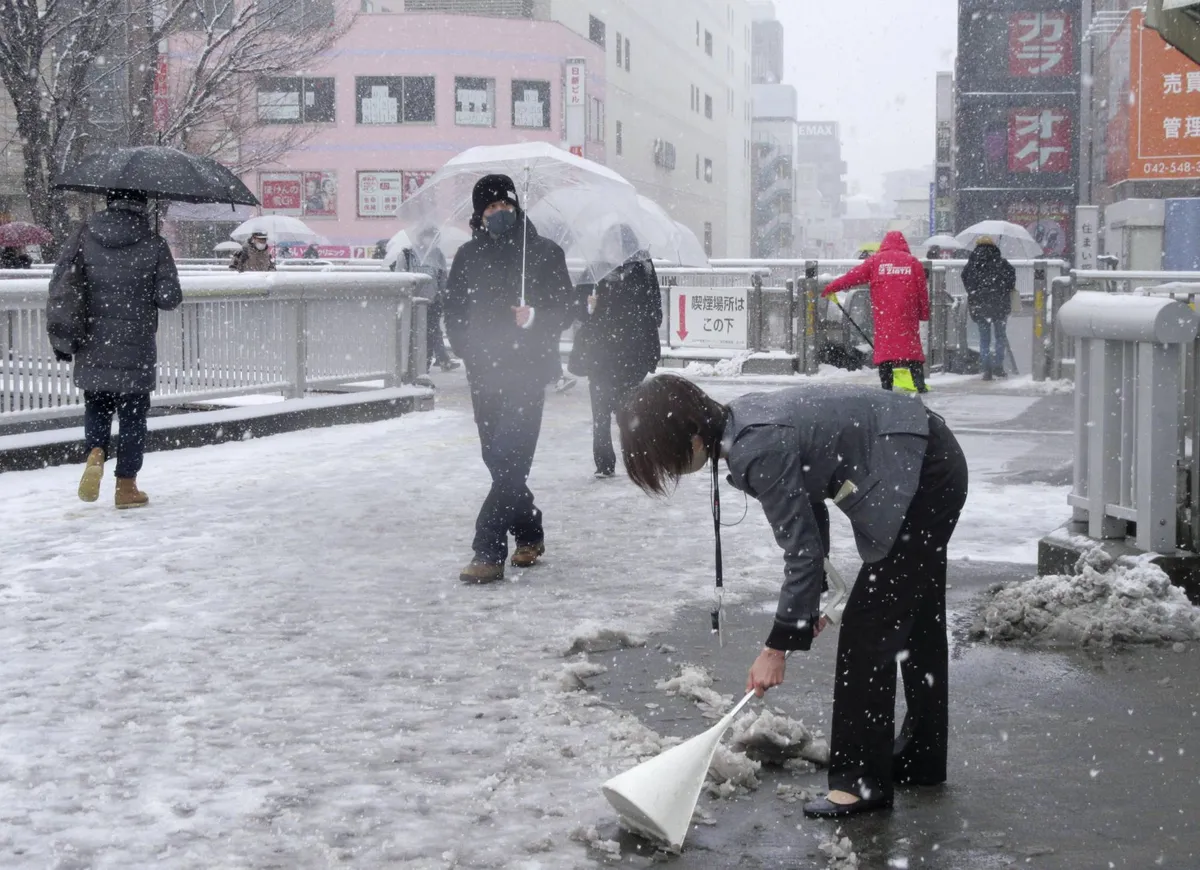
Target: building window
<point>618,41</point>
<point>620,144</point>
<point>295,100</point>
<point>295,15</point>
<point>708,239</point>
<point>394,100</point>
<point>626,55</point>
<point>531,104</point>
<point>708,43</point>
<point>708,170</point>
<point>474,102</point>
<point>596,30</point>
<point>595,120</point>
<point>708,106</point>
<point>664,154</point>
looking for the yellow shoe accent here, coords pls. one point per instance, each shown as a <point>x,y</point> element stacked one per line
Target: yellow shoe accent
<point>902,381</point>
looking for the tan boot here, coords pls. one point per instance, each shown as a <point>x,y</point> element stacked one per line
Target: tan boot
<point>482,572</point>
<point>93,472</point>
<point>527,555</point>
<point>128,495</point>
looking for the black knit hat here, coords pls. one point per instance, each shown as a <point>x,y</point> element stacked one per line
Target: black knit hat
<point>489,189</point>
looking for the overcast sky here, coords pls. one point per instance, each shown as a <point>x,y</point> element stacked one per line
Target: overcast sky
<point>870,65</point>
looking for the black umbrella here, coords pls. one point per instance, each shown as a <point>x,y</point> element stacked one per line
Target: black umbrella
<point>158,172</point>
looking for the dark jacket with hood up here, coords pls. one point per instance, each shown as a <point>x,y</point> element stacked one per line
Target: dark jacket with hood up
<point>128,275</point>
<point>624,327</point>
<point>483,288</point>
<point>989,279</point>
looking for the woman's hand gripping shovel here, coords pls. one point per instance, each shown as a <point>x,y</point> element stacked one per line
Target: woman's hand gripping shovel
<point>657,798</point>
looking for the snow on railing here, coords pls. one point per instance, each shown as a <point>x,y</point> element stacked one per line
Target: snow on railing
<point>234,334</point>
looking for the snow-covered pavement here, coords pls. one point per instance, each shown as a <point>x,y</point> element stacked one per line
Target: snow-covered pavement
<point>275,666</point>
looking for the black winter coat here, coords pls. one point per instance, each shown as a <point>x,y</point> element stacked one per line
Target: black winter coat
<point>624,339</point>
<point>129,275</point>
<point>483,288</point>
<point>989,279</point>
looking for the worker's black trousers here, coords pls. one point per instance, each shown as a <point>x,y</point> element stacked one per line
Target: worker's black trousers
<point>897,614</point>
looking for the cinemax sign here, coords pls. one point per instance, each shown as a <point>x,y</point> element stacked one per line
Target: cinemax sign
<point>814,131</point>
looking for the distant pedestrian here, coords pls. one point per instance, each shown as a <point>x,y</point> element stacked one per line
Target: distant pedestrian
<point>510,347</point>
<point>114,275</point>
<point>426,258</point>
<point>254,256</point>
<point>621,344</point>
<point>897,472</point>
<point>990,281</point>
<point>15,258</point>
<point>380,251</point>
<point>312,253</point>
<point>899,303</point>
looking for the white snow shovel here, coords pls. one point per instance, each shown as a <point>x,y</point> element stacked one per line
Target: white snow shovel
<point>657,798</point>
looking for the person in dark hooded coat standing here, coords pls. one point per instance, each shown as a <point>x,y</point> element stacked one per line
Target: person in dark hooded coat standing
<point>622,341</point>
<point>990,280</point>
<point>121,273</point>
<point>510,347</point>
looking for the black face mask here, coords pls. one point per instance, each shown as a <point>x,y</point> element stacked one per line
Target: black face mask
<point>500,222</point>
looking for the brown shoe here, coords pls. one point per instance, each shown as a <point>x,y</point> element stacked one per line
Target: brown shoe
<point>128,495</point>
<point>89,484</point>
<point>482,572</point>
<point>527,555</point>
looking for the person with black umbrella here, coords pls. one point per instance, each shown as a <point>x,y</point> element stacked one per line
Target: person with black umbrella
<point>114,275</point>
<point>508,297</point>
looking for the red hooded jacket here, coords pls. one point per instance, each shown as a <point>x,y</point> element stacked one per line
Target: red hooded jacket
<point>899,298</point>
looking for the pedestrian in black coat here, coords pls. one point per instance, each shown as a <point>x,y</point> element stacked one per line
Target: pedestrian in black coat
<point>118,273</point>
<point>990,280</point>
<point>510,347</point>
<point>622,345</point>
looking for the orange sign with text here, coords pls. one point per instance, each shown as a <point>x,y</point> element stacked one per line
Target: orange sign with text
<point>1164,134</point>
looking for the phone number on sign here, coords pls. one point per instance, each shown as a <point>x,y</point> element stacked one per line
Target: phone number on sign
<point>1184,167</point>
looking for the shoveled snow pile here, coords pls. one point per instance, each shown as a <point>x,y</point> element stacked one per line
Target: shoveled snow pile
<point>1129,600</point>
<point>725,368</point>
<point>840,853</point>
<point>732,771</point>
<point>695,682</point>
<point>774,738</point>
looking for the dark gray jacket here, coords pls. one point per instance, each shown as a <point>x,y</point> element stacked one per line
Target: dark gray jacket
<point>797,447</point>
<point>129,275</point>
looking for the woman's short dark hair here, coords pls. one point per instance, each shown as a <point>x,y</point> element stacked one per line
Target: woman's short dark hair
<point>657,423</point>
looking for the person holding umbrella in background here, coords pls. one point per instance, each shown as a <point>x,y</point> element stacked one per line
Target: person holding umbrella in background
<point>426,258</point>
<point>508,297</point>
<point>121,273</point>
<point>15,258</point>
<point>899,303</point>
<point>254,256</point>
<point>990,280</point>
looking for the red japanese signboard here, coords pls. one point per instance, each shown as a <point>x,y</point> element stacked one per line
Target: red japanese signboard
<point>1040,44</point>
<point>1039,140</point>
<point>282,193</point>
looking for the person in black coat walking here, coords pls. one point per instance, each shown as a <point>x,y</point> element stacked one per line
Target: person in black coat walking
<point>622,344</point>
<point>990,280</point>
<point>509,343</point>
<point>115,274</point>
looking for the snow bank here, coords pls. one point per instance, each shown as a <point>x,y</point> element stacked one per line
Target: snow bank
<point>726,368</point>
<point>695,682</point>
<point>772,737</point>
<point>1105,602</point>
<point>590,636</point>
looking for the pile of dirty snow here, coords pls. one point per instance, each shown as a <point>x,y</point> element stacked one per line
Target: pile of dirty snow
<point>725,368</point>
<point>1129,600</point>
<point>696,682</point>
<point>840,853</point>
<point>772,737</point>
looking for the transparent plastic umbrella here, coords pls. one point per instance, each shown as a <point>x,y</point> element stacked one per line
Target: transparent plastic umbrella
<point>448,241</point>
<point>280,228</point>
<point>1013,240</point>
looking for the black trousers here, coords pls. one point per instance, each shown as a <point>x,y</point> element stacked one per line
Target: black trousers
<point>897,613</point>
<point>509,424</point>
<point>131,410</point>
<point>607,396</point>
<point>435,345</point>
<point>887,372</point>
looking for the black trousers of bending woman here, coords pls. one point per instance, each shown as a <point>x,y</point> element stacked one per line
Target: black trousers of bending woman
<point>897,613</point>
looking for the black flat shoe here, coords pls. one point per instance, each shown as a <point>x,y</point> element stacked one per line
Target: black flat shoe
<point>823,808</point>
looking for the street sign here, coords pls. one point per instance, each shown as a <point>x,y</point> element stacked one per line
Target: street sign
<point>709,317</point>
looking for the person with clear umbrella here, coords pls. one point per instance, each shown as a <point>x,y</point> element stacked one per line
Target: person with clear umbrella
<point>507,301</point>
<point>426,258</point>
<point>618,344</point>
<point>990,280</point>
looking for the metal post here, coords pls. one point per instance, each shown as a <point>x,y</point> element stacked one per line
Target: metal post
<point>756,320</point>
<point>791,315</point>
<point>1157,389</point>
<point>404,322</point>
<point>418,365</point>
<point>812,338</point>
<point>296,349</point>
<point>1038,363</point>
<point>1194,465</point>
<point>1106,371</point>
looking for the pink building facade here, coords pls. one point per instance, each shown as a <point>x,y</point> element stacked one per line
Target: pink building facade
<point>399,96</point>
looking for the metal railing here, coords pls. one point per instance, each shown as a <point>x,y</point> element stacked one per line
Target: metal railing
<point>235,334</point>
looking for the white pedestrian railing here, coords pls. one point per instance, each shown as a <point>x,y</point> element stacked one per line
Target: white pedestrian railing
<point>1131,429</point>
<point>235,334</point>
